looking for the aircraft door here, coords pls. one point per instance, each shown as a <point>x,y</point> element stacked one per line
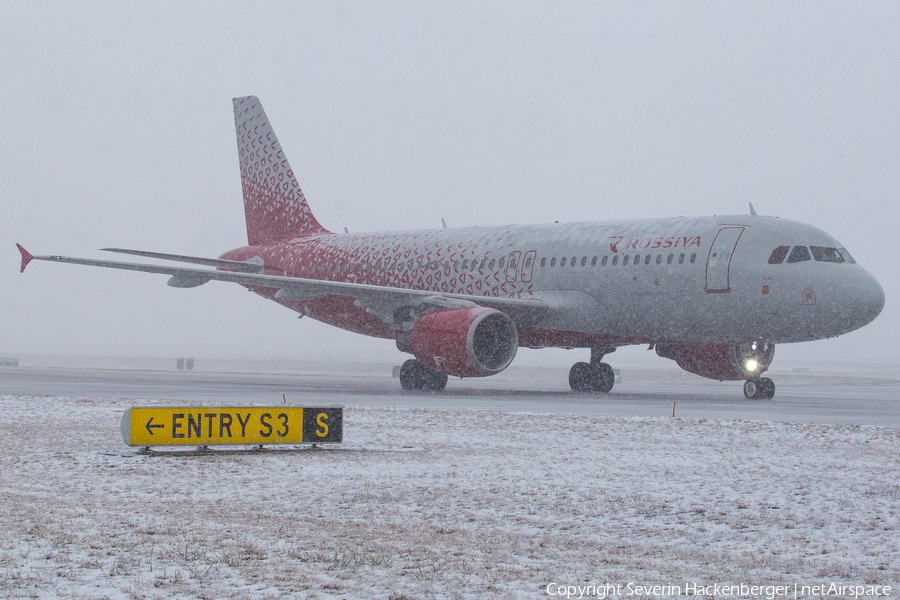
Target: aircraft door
<point>512,266</point>
<point>528,266</point>
<point>718,263</point>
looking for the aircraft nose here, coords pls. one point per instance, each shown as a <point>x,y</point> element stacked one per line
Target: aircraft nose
<point>875,299</point>
<point>864,300</point>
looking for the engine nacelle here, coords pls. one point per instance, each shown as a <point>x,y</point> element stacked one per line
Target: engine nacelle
<point>465,342</point>
<point>721,361</point>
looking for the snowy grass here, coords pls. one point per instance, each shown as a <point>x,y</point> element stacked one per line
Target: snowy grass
<point>430,503</point>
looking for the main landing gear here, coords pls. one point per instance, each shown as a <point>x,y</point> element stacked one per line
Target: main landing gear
<point>416,376</point>
<point>759,389</point>
<point>595,376</point>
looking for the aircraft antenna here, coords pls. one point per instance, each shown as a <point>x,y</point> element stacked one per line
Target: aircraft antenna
<point>752,210</point>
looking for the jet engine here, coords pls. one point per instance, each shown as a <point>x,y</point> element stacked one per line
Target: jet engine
<point>721,361</point>
<point>465,342</point>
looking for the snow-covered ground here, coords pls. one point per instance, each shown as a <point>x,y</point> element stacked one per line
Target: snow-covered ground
<point>425,503</point>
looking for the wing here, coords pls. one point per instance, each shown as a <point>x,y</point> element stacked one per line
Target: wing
<point>393,306</point>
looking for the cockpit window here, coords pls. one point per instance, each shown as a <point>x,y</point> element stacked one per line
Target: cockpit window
<point>846,256</point>
<point>823,254</point>
<point>778,255</point>
<point>798,254</point>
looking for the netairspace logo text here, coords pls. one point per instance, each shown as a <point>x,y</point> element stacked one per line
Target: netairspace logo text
<point>768,592</point>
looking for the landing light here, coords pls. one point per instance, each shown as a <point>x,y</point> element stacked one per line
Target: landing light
<point>751,365</point>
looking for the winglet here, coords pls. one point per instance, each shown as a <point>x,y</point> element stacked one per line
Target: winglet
<point>26,257</point>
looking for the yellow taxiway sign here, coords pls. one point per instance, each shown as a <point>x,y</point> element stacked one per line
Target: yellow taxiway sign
<point>218,425</point>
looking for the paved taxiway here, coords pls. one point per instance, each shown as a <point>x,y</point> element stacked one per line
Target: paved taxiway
<point>812,398</point>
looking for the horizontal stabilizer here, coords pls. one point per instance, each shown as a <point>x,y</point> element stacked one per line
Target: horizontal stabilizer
<point>235,265</point>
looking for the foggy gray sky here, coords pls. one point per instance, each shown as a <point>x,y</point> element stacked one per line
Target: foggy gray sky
<point>118,131</point>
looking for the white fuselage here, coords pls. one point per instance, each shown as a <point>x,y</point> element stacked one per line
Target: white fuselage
<point>704,279</point>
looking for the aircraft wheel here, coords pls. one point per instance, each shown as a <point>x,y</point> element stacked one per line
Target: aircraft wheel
<point>751,389</point>
<point>416,376</point>
<point>411,375</point>
<point>584,377</point>
<point>434,381</point>
<point>581,377</point>
<point>605,379</point>
<point>759,389</point>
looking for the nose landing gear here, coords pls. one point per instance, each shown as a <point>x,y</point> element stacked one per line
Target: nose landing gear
<point>759,389</point>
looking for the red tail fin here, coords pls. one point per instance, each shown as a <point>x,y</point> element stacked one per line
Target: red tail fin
<point>274,205</point>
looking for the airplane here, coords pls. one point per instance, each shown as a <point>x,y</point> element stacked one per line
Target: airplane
<point>715,294</point>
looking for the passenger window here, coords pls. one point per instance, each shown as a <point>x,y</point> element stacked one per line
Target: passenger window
<point>823,254</point>
<point>513,262</point>
<point>544,261</point>
<point>616,260</point>
<point>501,263</point>
<point>573,261</point>
<point>491,265</point>
<point>401,267</point>
<point>527,262</point>
<point>465,264</point>
<point>647,259</point>
<point>625,260</point>
<point>637,259</point>
<point>562,261</point>
<point>681,259</point>
<point>798,254</point>
<point>603,261</point>
<point>778,254</point>
<point>670,259</point>
<point>583,260</point>
<point>553,262</point>
<point>659,259</point>
<point>693,257</point>
<point>846,256</point>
